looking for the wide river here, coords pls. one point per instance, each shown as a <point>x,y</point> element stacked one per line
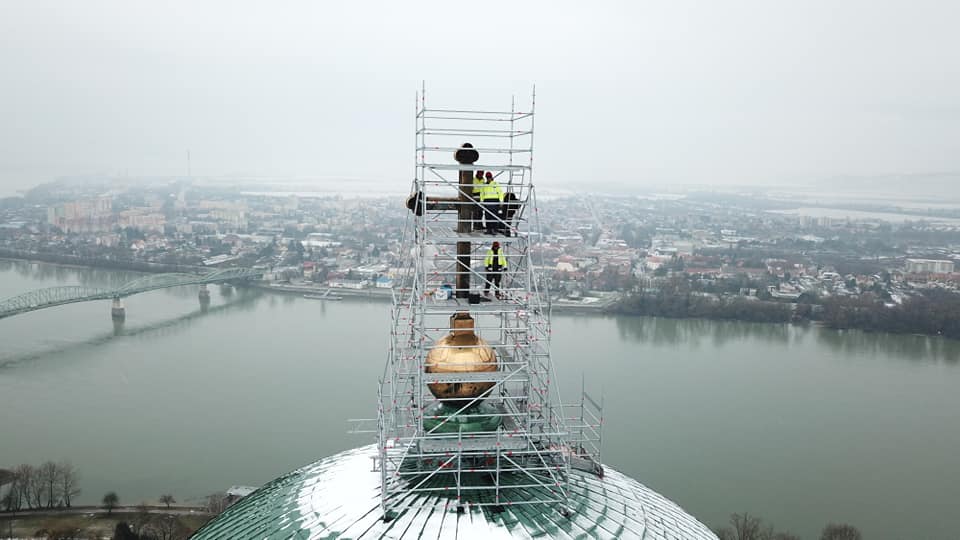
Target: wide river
<point>798,425</point>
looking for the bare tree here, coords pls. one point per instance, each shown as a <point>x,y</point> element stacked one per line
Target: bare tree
<point>216,502</point>
<point>110,501</point>
<point>69,482</point>
<point>840,531</point>
<point>167,500</point>
<point>24,483</point>
<point>725,533</point>
<point>36,489</point>
<point>48,478</point>
<point>6,477</point>
<point>9,479</point>
<point>167,528</point>
<point>141,518</point>
<point>745,526</point>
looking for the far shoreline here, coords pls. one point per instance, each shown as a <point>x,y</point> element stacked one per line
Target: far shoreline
<point>379,295</point>
<point>373,294</point>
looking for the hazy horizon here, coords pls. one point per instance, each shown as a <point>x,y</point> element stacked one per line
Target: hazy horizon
<point>637,94</point>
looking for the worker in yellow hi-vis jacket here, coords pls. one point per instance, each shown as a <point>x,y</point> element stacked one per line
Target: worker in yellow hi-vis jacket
<point>491,197</point>
<point>495,264</point>
<point>476,210</point>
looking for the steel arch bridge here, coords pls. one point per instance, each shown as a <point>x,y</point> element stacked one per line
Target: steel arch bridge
<point>58,296</point>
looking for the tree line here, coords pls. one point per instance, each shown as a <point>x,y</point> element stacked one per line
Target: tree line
<point>49,485</point>
<point>933,312</point>
<point>746,527</point>
<point>154,527</point>
<point>144,524</point>
<point>675,298</point>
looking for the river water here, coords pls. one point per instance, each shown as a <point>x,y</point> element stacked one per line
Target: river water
<point>798,425</point>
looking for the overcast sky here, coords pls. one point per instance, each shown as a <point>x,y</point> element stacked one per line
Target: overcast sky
<point>638,93</point>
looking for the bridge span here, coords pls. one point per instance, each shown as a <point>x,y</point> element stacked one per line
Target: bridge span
<point>58,296</point>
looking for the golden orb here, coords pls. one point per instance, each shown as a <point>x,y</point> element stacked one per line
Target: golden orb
<point>460,351</point>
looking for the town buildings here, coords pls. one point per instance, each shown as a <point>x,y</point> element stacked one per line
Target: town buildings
<point>613,245</point>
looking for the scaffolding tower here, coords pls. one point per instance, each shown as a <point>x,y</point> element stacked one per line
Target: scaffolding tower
<point>510,441</point>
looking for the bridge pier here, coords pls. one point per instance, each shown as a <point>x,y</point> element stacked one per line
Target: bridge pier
<point>117,311</point>
<point>204,296</point>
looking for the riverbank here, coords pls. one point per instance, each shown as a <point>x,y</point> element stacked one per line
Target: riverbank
<point>589,305</point>
<point>383,295</point>
<point>933,312</point>
<point>98,262</point>
<point>96,522</point>
<point>592,305</point>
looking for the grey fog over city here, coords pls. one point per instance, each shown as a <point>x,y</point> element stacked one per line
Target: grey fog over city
<point>682,270</point>
<point>632,94</point>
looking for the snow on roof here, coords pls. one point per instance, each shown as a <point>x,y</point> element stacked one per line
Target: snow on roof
<point>339,497</point>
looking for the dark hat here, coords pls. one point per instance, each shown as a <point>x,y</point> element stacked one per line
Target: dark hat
<point>489,174</point>
<point>496,244</point>
<point>479,174</point>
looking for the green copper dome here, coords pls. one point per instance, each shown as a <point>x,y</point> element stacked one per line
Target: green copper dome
<point>339,497</point>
